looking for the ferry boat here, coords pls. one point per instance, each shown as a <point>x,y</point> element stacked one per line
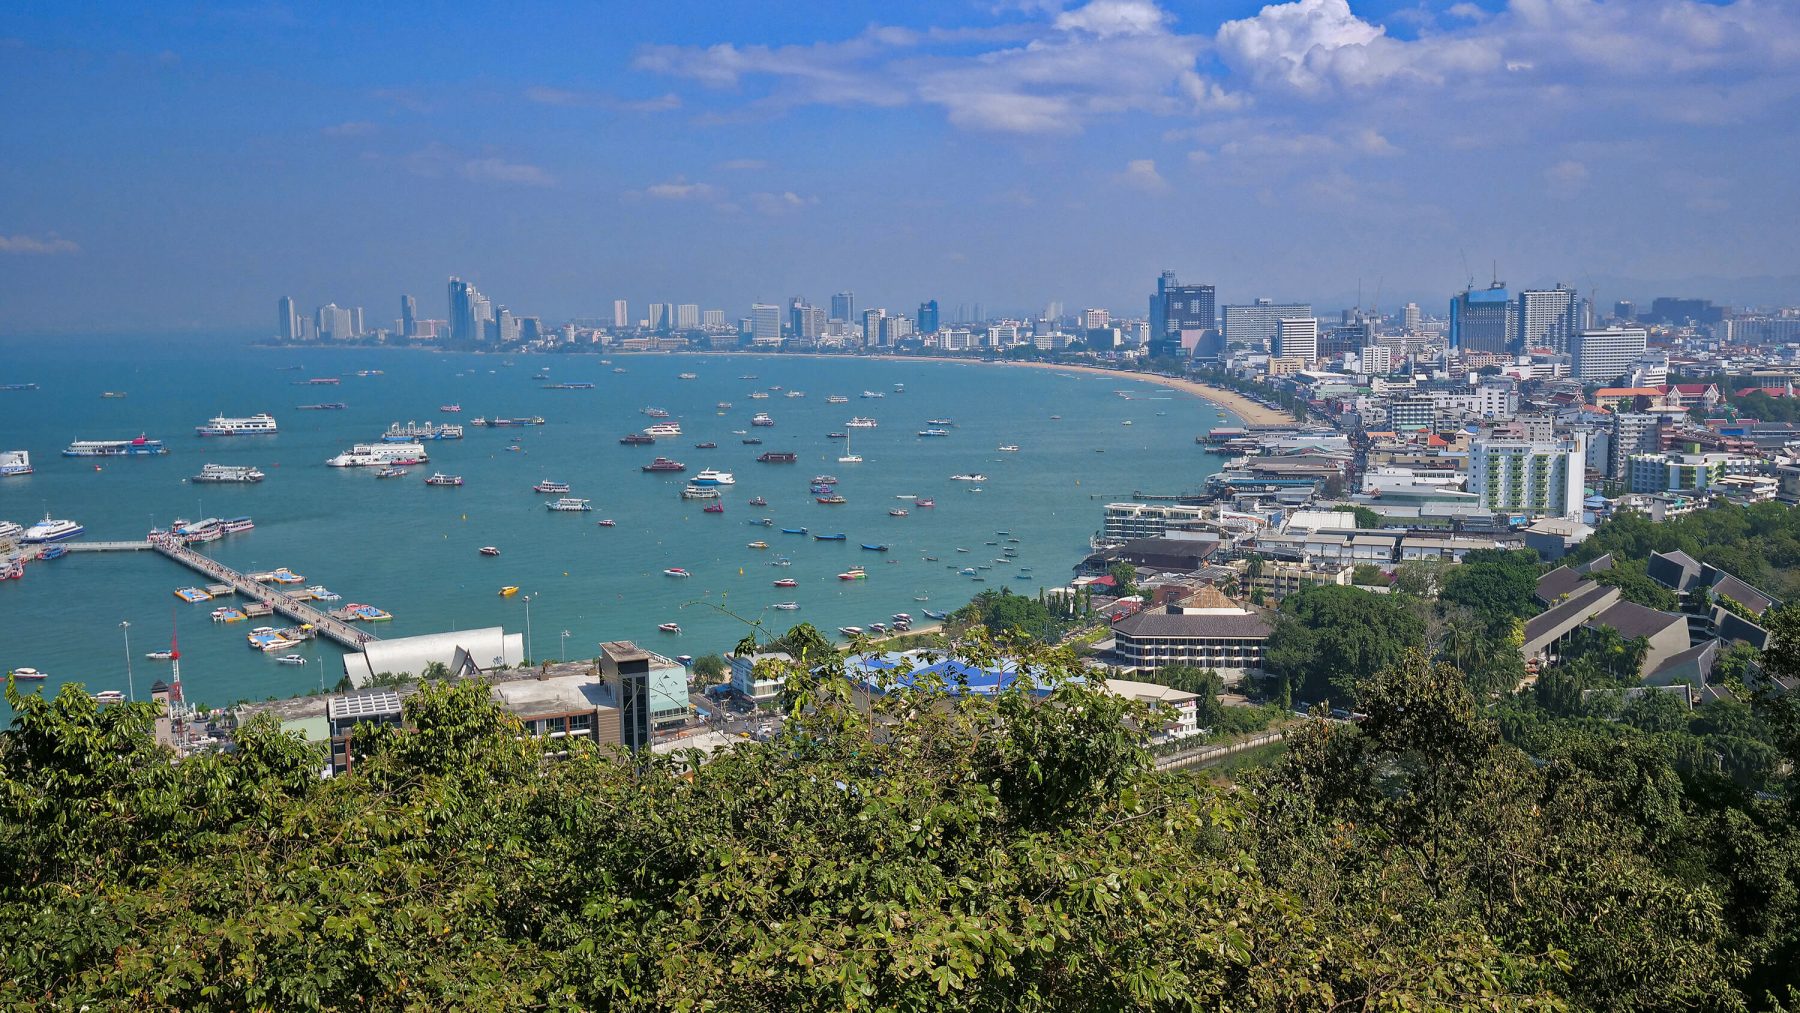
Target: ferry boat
<point>751,441</point>
<point>15,462</point>
<point>260,424</point>
<point>376,455</point>
<point>693,491</point>
<point>161,655</point>
<point>569,504</point>
<point>762,419</point>
<point>759,396</point>
<point>636,439</point>
<point>708,445</point>
<point>711,476</point>
<point>142,446</point>
<point>934,432</point>
<point>444,480</point>
<point>663,429</point>
<point>27,675</point>
<point>227,473</point>
<point>1009,448</point>
<point>450,408</point>
<point>664,464</point>
<point>236,525</point>
<point>551,487</point>
<point>329,406</point>
<point>497,422</point>
<point>824,480</point>
<point>391,473</point>
<point>687,376</point>
<point>655,413</point>
<point>112,393</point>
<point>939,422</point>
<point>837,399</point>
<point>787,606</point>
<point>968,478</point>
<point>676,571</point>
<point>488,550</point>
<point>669,627</point>
<point>715,507</point>
<point>861,422</point>
<point>51,530</point>
<point>413,432</point>
<point>778,457</point>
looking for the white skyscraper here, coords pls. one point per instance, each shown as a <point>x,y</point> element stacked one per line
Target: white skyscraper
<point>687,316</point>
<point>1298,338</point>
<point>712,318</point>
<point>765,323</point>
<point>287,320</point>
<point>1548,318</point>
<point>621,313</point>
<point>1605,355</point>
<point>1376,360</point>
<point>1095,319</point>
<point>1410,319</point>
<point>1254,326</point>
<point>1533,478</point>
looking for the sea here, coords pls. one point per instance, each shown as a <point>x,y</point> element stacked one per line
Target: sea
<point>412,549</point>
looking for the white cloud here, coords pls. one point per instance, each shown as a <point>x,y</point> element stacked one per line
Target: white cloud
<point>1566,178</point>
<point>1318,46</point>
<point>497,170</point>
<point>1141,174</point>
<point>680,189</point>
<point>780,203</point>
<point>1106,18</point>
<point>48,245</point>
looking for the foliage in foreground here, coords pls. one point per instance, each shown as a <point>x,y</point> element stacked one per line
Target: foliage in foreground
<point>921,850</point>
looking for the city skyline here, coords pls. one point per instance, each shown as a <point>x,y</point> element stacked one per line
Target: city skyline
<point>177,172</point>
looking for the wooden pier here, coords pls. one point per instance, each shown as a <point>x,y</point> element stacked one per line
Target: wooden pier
<point>275,599</point>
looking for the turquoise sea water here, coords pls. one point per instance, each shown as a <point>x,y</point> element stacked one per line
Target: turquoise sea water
<point>411,549</point>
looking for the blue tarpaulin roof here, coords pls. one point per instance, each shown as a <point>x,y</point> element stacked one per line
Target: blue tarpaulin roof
<point>879,672</point>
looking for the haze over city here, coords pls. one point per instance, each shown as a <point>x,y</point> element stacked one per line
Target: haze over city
<point>179,167</point>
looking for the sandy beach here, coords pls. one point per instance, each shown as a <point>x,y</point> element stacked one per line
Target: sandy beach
<point>1230,400</point>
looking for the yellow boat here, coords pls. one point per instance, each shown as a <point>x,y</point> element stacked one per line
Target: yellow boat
<point>508,591</point>
<point>759,545</point>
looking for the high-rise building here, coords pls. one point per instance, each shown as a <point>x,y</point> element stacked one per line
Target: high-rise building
<point>687,316</point>
<point>1188,313</point>
<point>621,314</point>
<point>1625,311</point>
<point>1632,433</point>
<point>809,323</point>
<point>843,307</point>
<point>1484,320</point>
<point>1159,303</point>
<point>928,317</point>
<point>1548,318</point>
<point>1254,326</point>
<point>895,330</point>
<point>1376,360</point>
<point>1298,338</point>
<point>712,318</point>
<point>508,326</point>
<point>1095,319</point>
<point>1677,312</point>
<point>656,320</point>
<point>1410,319</point>
<point>409,316</point>
<point>765,323</point>
<point>1533,478</point>
<point>334,323</point>
<point>356,321</point>
<point>1601,356</point>
<point>465,313</point>
<point>871,320</point>
<point>287,319</point>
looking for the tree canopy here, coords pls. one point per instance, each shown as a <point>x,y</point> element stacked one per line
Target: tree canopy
<point>1327,639</point>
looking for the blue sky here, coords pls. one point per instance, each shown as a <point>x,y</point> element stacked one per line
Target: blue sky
<point>176,165</point>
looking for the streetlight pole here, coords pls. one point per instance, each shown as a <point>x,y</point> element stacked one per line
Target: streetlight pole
<point>565,646</point>
<point>130,685</point>
<point>528,651</point>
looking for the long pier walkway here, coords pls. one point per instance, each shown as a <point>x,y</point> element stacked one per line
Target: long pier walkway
<point>282,602</point>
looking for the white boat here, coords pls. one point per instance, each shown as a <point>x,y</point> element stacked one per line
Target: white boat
<point>161,655</point>
<point>28,675</point>
<point>712,476</point>
<point>260,424</point>
<point>787,606</point>
<point>569,504</point>
<point>968,478</point>
<point>676,571</point>
<point>290,659</point>
<point>850,456</point>
<point>873,394</point>
<point>15,462</point>
<point>664,429</point>
<point>837,399</point>
<point>761,419</point>
<point>378,455</point>
<point>861,422</point>
<point>228,473</point>
<point>107,696</point>
<point>142,446</point>
<point>1009,448</point>
<point>51,530</point>
<point>693,491</point>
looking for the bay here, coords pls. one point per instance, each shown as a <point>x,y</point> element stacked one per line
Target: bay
<point>411,549</point>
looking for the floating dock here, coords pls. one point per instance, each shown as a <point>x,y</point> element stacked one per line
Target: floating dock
<point>274,599</point>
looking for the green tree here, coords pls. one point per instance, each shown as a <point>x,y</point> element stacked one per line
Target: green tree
<point>1635,585</point>
<point>1328,639</point>
<point>1495,584</point>
<point>710,669</point>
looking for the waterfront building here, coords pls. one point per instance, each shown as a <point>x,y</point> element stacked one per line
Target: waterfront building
<point>928,317</point>
<point>712,318</point>
<point>1604,355</point>
<point>1528,477</point>
<point>621,314</point>
<point>1298,338</point>
<point>1484,320</point>
<point>765,323</point>
<point>1095,319</point>
<point>468,313</point>
<point>871,322</point>
<point>1125,521</point>
<point>409,316</point>
<point>843,307</point>
<point>1548,318</point>
<point>1255,326</point>
<point>1209,632</point>
<point>894,330</point>
<point>287,320</point>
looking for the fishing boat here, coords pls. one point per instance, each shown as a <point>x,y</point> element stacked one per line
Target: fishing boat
<point>569,505</point>
<point>676,571</point>
<point>787,582</point>
<point>751,441</point>
<point>787,606</point>
<point>223,473</point>
<point>509,590</point>
<point>450,408</point>
<point>832,500</point>
<point>839,537</point>
<point>758,501</point>
<point>607,523</point>
<point>290,659</point>
<point>925,503</point>
<point>714,507</point>
<point>897,512</point>
<point>706,446</point>
<point>669,627</point>
<point>931,614</point>
<point>976,477</point>
<point>548,486</point>
<point>793,531</point>
<point>447,481</point>
<point>875,548</point>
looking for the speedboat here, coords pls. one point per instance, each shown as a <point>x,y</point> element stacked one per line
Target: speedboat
<point>669,627</point>
<point>787,582</point>
<point>1009,448</point>
<point>676,571</point>
<point>489,550</point>
<point>52,530</point>
<point>709,445</point>
<point>509,590</point>
<point>107,696</point>
<point>787,606</point>
<point>940,616</point>
<point>759,544</point>
<point>793,531</point>
<point>968,478</point>
<point>28,675</point>
<point>854,573</point>
<point>925,503</point>
<point>607,523</point>
<point>161,655</point>
<point>850,631</point>
<point>290,659</point>
<point>712,476</point>
<point>897,512</point>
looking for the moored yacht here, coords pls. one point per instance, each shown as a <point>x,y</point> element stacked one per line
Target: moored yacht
<point>712,476</point>
<point>375,455</point>
<point>227,473</point>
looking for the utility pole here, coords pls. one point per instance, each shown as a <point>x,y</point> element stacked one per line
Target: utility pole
<point>130,684</point>
<point>528,651</point>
